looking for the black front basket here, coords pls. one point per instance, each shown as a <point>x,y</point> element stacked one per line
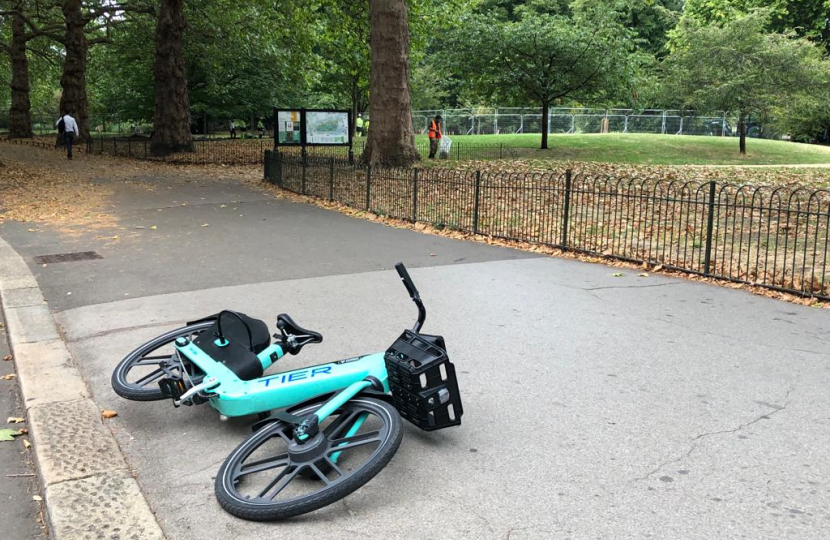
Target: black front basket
<point>423,381</point>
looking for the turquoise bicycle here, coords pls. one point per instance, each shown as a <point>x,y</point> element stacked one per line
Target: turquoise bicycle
<point>322,431</point>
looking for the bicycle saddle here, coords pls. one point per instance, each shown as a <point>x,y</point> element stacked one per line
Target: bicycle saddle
<point>293,336</point>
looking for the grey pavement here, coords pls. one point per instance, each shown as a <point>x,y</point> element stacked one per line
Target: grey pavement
<point>595,406</point>
<point>18,485</point>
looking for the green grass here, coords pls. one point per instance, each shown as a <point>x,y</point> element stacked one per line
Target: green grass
<point>654,149</point>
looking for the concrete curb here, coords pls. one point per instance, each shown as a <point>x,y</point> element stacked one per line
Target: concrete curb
<point>89,490</point>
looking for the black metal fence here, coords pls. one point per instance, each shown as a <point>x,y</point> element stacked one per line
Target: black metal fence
<point>775,237</point>
<point>250,151</point>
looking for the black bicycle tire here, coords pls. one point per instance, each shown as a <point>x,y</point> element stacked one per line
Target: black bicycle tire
<point>128,391</point>
<point>278,511</point>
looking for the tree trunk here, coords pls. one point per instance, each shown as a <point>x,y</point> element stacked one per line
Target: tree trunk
<point>20,119</point>
<point>545,126</point>
<point>73,79</point>
<point>391,140</point>
<point>171,122</point>
<point>742,133</point>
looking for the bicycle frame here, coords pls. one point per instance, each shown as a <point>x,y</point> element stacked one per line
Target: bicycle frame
<point>231,396</point>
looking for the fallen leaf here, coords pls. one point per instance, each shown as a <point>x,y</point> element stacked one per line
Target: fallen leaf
<point>432,255</point>
<point>618,274</point>
<point>8,434</point>
<point>37,498</point>
<point>205,224</point>
<point>23,431</point>
<point>644,274</point>
<point>109,414</point>
<point>8,358</point>
<point>140,227</point>
<point>115,237</point>
<point>153,228</point>
<point>27,444</point>
<point>8,377</point>
<point>658,267</point>
<point>15,420</point>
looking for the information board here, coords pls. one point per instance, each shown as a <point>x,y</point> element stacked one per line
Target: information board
<point>289,127</point>
<point>327,127</point>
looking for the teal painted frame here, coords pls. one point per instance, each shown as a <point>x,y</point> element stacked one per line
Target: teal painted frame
<point>235,397</point>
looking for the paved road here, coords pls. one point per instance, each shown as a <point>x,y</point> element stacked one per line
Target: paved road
<point>21,514</point>
<point>595,406</point>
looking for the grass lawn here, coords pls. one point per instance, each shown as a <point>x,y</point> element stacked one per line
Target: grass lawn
<point>653,149</point>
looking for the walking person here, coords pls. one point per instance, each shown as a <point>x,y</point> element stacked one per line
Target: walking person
<point>232,127</point>
<point>68,128</point>
<point>434,135</point>
<point>359,125</point>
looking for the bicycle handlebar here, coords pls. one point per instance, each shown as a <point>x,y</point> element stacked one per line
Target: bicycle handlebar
<point>413,293</point>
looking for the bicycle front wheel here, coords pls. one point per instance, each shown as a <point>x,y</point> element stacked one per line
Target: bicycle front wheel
<point>270,477</point>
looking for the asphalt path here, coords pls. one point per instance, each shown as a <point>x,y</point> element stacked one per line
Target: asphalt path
<point>595,406</point>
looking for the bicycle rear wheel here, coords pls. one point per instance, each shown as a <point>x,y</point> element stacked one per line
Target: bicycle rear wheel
<point>136,376</point>
<point>269,477</point>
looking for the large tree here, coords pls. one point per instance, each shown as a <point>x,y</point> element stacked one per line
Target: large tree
<point>737,66</point>
<point>391,139</point>
<point>544,59</point>
<point>27,22</point>
<point>171,122</point>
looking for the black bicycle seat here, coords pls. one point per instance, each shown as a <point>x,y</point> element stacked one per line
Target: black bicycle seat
<point>293,336</point>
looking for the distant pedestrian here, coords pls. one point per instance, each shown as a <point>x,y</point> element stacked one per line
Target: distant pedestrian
<point>359,125</point>
<point>68,129</point>
<point>261,127</point>
<point>232,127</point>
<point>434,135</point>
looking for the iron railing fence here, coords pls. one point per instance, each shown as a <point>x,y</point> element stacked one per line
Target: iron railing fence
<point>775,237</point>
<point>250,151</point>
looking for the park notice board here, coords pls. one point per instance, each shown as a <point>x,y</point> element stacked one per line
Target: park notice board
<point>289,127</point>
<point>312,127</point>
<point>323,127</point>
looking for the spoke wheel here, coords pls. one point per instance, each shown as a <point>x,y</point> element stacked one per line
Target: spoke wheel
<point>270,477</point>
<point>136,377</point>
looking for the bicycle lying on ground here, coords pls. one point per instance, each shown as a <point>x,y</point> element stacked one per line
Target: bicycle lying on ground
<point>323,431</point>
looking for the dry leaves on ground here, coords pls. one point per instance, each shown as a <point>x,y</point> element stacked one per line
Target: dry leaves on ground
<point>538,248</point>
<point>108,414</point>
<point>44,194</point>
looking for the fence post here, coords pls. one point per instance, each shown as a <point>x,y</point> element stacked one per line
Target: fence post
<point>331,179</point>
<point>707,262</point>
<point>476,202</point>
<point>368,185</point>
<point>302,187</point>
<point>415,196</point>
<point>279,168</point>
<point>567,209</point>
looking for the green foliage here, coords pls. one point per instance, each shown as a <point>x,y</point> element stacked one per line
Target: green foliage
<point>737,66</point>
<point>807,18</point>
<point>539,58</point>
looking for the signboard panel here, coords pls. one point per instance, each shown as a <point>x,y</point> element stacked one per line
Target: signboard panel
<point>327,127</point>
<point>289,127</point>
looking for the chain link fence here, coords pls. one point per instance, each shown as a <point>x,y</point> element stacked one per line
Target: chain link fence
<point>515,120</point>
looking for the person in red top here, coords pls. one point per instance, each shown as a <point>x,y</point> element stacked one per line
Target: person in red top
<point>434,135</point>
